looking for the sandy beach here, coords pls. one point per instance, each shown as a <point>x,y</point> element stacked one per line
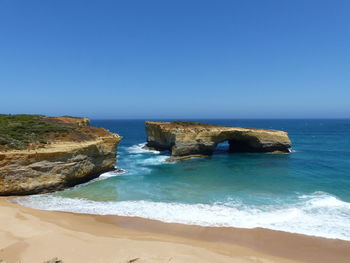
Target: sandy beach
<point>175,131</point>
<point>30,236</point>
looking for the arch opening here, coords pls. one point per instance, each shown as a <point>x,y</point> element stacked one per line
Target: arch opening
<point>222,147</point>
<point>236,146</point>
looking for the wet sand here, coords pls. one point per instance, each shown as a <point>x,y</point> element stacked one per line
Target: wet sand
<point>28,235</point>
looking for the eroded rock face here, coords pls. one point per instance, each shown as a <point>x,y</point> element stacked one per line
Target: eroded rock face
<point>191,138</point>
<point>79,156</point>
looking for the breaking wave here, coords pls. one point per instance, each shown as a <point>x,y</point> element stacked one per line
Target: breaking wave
<point>319,214</point>
<point>140,148</point>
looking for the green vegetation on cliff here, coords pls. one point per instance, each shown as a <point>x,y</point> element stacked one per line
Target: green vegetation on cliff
<point>18,131</point>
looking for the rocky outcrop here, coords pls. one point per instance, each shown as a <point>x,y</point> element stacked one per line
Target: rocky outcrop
<point>193,138</point>
<point>68,158</point>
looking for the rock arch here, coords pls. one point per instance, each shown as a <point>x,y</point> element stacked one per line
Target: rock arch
<point>193,138</point>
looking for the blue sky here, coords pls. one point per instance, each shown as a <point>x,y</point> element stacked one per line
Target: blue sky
<point>176,59</point>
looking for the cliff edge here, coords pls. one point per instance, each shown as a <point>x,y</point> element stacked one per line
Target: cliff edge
<point>184,138</point>
<point>43,154</point>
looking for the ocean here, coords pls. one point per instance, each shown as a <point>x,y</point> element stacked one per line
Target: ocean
<point>306,191</point>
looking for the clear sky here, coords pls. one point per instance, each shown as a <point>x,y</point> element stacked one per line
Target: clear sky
<point>176,58</point>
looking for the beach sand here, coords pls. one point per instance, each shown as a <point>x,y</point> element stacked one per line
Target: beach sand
<point>28,235</point>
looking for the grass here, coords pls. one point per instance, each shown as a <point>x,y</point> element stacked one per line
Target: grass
<point>18,131</point>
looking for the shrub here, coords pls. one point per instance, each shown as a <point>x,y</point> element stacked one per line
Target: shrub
<point>18,131</point>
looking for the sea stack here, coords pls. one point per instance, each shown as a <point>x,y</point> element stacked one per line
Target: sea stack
<point>184,138</point>
<point>41,154</point>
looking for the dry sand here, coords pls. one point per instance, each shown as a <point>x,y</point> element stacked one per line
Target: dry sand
<point>33,236</point>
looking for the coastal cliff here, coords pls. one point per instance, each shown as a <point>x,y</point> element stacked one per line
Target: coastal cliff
<point>194,138</point>
<point>42,154</point>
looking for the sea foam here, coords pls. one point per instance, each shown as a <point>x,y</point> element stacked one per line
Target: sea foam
<point>319,214</point>
<point>140,160</point>
<point>140,148</point>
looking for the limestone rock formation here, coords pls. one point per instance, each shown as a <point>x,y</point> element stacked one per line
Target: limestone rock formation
<point>194,138</point>
<point>68,152</point>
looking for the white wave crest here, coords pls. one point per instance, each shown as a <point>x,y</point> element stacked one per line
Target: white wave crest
<point>140,148</point>
<point>141,160</point>
<point>319,214</point>
<point>112,174</point>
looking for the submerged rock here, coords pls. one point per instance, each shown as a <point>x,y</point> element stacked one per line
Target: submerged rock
<point>53,153</point>
<point>194,138</point>
<point>183,158</point>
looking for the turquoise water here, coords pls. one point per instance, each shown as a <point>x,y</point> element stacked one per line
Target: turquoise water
<point>307,191</point>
